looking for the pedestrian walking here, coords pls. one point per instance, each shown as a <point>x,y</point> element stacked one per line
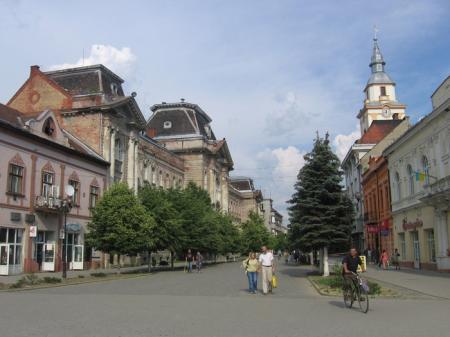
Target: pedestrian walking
<point>396,259</point>
<point>267,269</point>
<point>384,259</point>
<point>189,259</point>
<point>199,261</point>
<point>251,266</point>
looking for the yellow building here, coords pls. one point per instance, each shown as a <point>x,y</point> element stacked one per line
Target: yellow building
<point>419,170</point>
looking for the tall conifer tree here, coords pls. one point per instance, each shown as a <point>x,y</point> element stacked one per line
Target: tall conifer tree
<point>320,213</point>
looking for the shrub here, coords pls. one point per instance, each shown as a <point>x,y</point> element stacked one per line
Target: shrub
<point>98,274</point>
<point>48,279</point>
<point>374,288</point>
<point>19,284</point>
<point>80,276</point>
<point>31,279</point>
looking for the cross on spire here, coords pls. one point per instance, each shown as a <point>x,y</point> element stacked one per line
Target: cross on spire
<point>375,32</point>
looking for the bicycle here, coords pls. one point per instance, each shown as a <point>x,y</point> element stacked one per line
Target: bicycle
<point>356,289</point>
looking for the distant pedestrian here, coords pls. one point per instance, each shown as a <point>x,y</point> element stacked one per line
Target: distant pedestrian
<point>385,259</point>
<point>376,256</point>
<point>396,259</point>
<point>286,257</point>
<point>251,266</point>
<point>189,259</point>
<point>199,261</point>
<point>267,269</point>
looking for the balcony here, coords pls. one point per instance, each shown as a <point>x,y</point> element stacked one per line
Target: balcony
<point>48,204</point>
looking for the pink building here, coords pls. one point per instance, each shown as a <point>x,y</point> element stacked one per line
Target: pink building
<point>38,160</point>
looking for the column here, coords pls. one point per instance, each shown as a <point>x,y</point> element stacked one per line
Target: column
<point>130,163</point>
<point>112,154</point>
<point>136,165</point>
<point>441,225</point>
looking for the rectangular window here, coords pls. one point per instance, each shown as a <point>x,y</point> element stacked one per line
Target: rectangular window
<point>431,246</point>
<point>401,238</point>
<point>93,196</point>
<point>47,183</point>
<point>15,179</point>
<point>382,91</point>
<point>76,194</point>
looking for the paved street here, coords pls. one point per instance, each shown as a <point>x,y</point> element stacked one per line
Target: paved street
<point>213,303</point>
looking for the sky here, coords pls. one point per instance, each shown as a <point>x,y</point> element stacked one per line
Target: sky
<point>269,73</point>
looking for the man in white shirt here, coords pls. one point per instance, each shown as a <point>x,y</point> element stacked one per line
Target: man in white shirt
<point>267,267</point>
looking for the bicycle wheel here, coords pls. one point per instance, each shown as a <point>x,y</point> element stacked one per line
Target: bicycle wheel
<point>363,300</point>
<point>348,296</point>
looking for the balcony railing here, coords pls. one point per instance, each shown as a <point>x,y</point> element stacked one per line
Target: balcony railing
<point>48,203</point>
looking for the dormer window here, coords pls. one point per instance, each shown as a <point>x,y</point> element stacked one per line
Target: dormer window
<point>114,89</point>
<point>167,125</point>
<point>49,127</point>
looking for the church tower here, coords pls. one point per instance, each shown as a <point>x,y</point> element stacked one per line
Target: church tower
<point>380,100</point>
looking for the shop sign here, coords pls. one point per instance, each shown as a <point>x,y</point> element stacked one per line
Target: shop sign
<point>33,231</point>
<point>412,225</point>
<point>385,232</point>
<point>385,224</point>
<point>372,229</point>
<point>73,227</point>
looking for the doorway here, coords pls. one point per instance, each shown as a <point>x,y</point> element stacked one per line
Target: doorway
<point>45,250</point>
<point>416,249</point>
<point>74,251</point>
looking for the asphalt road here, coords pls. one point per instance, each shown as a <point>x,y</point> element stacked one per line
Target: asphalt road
<point>213,303</point>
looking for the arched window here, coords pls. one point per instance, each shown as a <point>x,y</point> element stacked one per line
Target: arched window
<point>398,186</point>
<point>49,127</point>
<point>426,169</point>
<point>411,177</point>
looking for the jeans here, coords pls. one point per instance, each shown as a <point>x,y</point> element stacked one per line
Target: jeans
<point>189,266</point>
<point>252,280</point>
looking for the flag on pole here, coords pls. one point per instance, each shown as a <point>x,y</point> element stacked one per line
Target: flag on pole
<point>420,176</point>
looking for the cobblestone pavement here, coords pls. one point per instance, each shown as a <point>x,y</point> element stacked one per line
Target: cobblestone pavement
<point>213,303</point>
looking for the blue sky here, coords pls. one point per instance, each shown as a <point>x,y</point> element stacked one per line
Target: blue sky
<point>269,73</point>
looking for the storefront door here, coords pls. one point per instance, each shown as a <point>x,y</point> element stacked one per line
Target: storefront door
<point>416,249</point>
<point>45,251</point>
<point>74,251</point>
<point>4,257</point>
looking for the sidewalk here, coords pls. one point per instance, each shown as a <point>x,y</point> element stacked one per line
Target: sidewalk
<point>422,281</point>
<point>10,279</point>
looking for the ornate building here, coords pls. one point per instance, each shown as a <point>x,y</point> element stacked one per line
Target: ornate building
<point>243,198</point>
<point>380,115</point>
<point>184,129</point>
<point>90,103</point>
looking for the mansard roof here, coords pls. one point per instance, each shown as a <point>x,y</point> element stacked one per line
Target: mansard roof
<point>179,120</point>
<point>242,183</point>
<point>87,80</point>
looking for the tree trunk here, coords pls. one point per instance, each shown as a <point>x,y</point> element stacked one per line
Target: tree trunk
<point>149,261</point>
<point>326,269</point>
<point>311,258</point>
<point>321,260</point>
<point>171,259</point>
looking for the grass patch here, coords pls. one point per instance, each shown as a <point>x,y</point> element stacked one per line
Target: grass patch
<point>99,274</point>
<point>51,280</point>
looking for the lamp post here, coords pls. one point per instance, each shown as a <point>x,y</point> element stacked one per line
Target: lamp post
<point>66,206</point>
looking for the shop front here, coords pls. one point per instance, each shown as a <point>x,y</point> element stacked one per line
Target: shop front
<point>11,250</point>
<point>74,247</point>
<point>415,238</point>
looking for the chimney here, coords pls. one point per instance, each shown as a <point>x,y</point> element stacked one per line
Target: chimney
<point>151,133</point>
<point>34,69</point>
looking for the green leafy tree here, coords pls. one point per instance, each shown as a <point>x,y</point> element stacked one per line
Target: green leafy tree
<point>120,224</point>
<point>254,234</point>
<point>320,212</point>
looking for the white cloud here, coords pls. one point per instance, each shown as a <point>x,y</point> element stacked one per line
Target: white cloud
<point>342,143</point>
<point>121,61</point>
<point>281,166</point>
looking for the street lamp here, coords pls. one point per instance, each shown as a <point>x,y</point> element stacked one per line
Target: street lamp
<point>66,206</point>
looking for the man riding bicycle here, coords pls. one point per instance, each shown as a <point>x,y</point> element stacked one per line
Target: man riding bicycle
<point>351,263</point>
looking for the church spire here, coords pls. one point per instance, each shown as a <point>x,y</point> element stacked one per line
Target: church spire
<point>377,62</point>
